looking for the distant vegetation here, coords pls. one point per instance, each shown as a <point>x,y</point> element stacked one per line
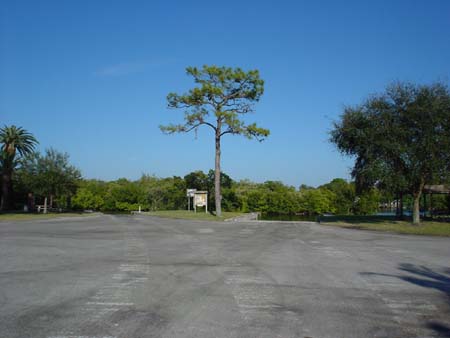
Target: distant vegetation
<point>52,176</point>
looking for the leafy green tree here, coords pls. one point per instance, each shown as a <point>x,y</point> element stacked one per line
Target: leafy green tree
<point>242,189</point>
<point>401,139</point>
<point>90,195</point>
<point>345,194</point>
<point>269,197</point>
<point>175,193</point>
<point>154,190</point>
<point>278,202</point>
<point>85,199</point>
<point>276,186</point>
<point>225,180</point>
<point>196,180</point>
<point>222,96</point>
<point>256,201</point>
<point>123,195</point>
<point>162,193</point>
<point>318,201</point>
<point>50,176</point>
<point>96,187</point>
<point>304,187</point>
<point>231,201</point>
<point>367,203</point>
<point>15,142</point>
<point>436,203</point>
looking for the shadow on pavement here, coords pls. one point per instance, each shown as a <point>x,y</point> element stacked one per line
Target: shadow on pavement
<point>443,330</point>
<point>427,278</point>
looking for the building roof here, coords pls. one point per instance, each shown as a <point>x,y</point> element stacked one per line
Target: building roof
<point>436,189</point>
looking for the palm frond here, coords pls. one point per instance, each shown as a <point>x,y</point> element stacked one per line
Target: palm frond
<point>16,140</point>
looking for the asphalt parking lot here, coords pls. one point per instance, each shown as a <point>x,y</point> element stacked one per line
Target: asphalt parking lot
<point>137,276</point>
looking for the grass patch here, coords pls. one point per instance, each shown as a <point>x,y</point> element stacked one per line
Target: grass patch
<point>428,228</point>
<point>25,217</point>
<point>184,214</point>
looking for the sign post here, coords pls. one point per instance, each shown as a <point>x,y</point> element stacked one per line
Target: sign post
<point>201,200</point>
<point>190,193</point>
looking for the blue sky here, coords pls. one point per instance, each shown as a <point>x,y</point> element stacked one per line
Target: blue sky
<point>91,77</point>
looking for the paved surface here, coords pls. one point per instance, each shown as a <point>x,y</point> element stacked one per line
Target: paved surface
<point>110,276</point>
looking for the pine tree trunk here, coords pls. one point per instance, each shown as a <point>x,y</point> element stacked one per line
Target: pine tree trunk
<point>217,193</point>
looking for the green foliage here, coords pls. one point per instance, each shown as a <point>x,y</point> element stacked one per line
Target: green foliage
<point>222,93</point>
<point>318,201</point>
<point>175,193</point>
<point>197,180</point>
<point>270,197</point>
<point>344,195</point>
<point>225,180</point>
<point>438,203</point>
<point>255,201</point>
<point>90,195</point>
<point>277,186</point>
<point>122,195</point>
<point>53,175</point>
<point>14,141</point>
<point>50,175</point>
<point>304,187</point>
<point>87,200</point>
<point>278,202</point>
<point>154,190</point>
<point>401,139</point>
<point>367,203</point>
<point>230,200</point>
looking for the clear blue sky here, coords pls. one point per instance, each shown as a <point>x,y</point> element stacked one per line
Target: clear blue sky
<point>91,77</point>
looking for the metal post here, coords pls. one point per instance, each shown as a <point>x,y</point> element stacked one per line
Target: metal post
<point>45,205</point>
<point>431,206</point>
<point>425,209</point>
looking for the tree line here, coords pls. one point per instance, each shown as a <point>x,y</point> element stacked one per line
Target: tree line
<point>50,175</point>
<point>152,193</point>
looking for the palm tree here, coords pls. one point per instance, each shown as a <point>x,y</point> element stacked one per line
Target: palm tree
<point>14,140</point>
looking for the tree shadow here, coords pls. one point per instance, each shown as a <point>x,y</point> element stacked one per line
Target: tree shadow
<point>427,278</point>
<point>442,329</point>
